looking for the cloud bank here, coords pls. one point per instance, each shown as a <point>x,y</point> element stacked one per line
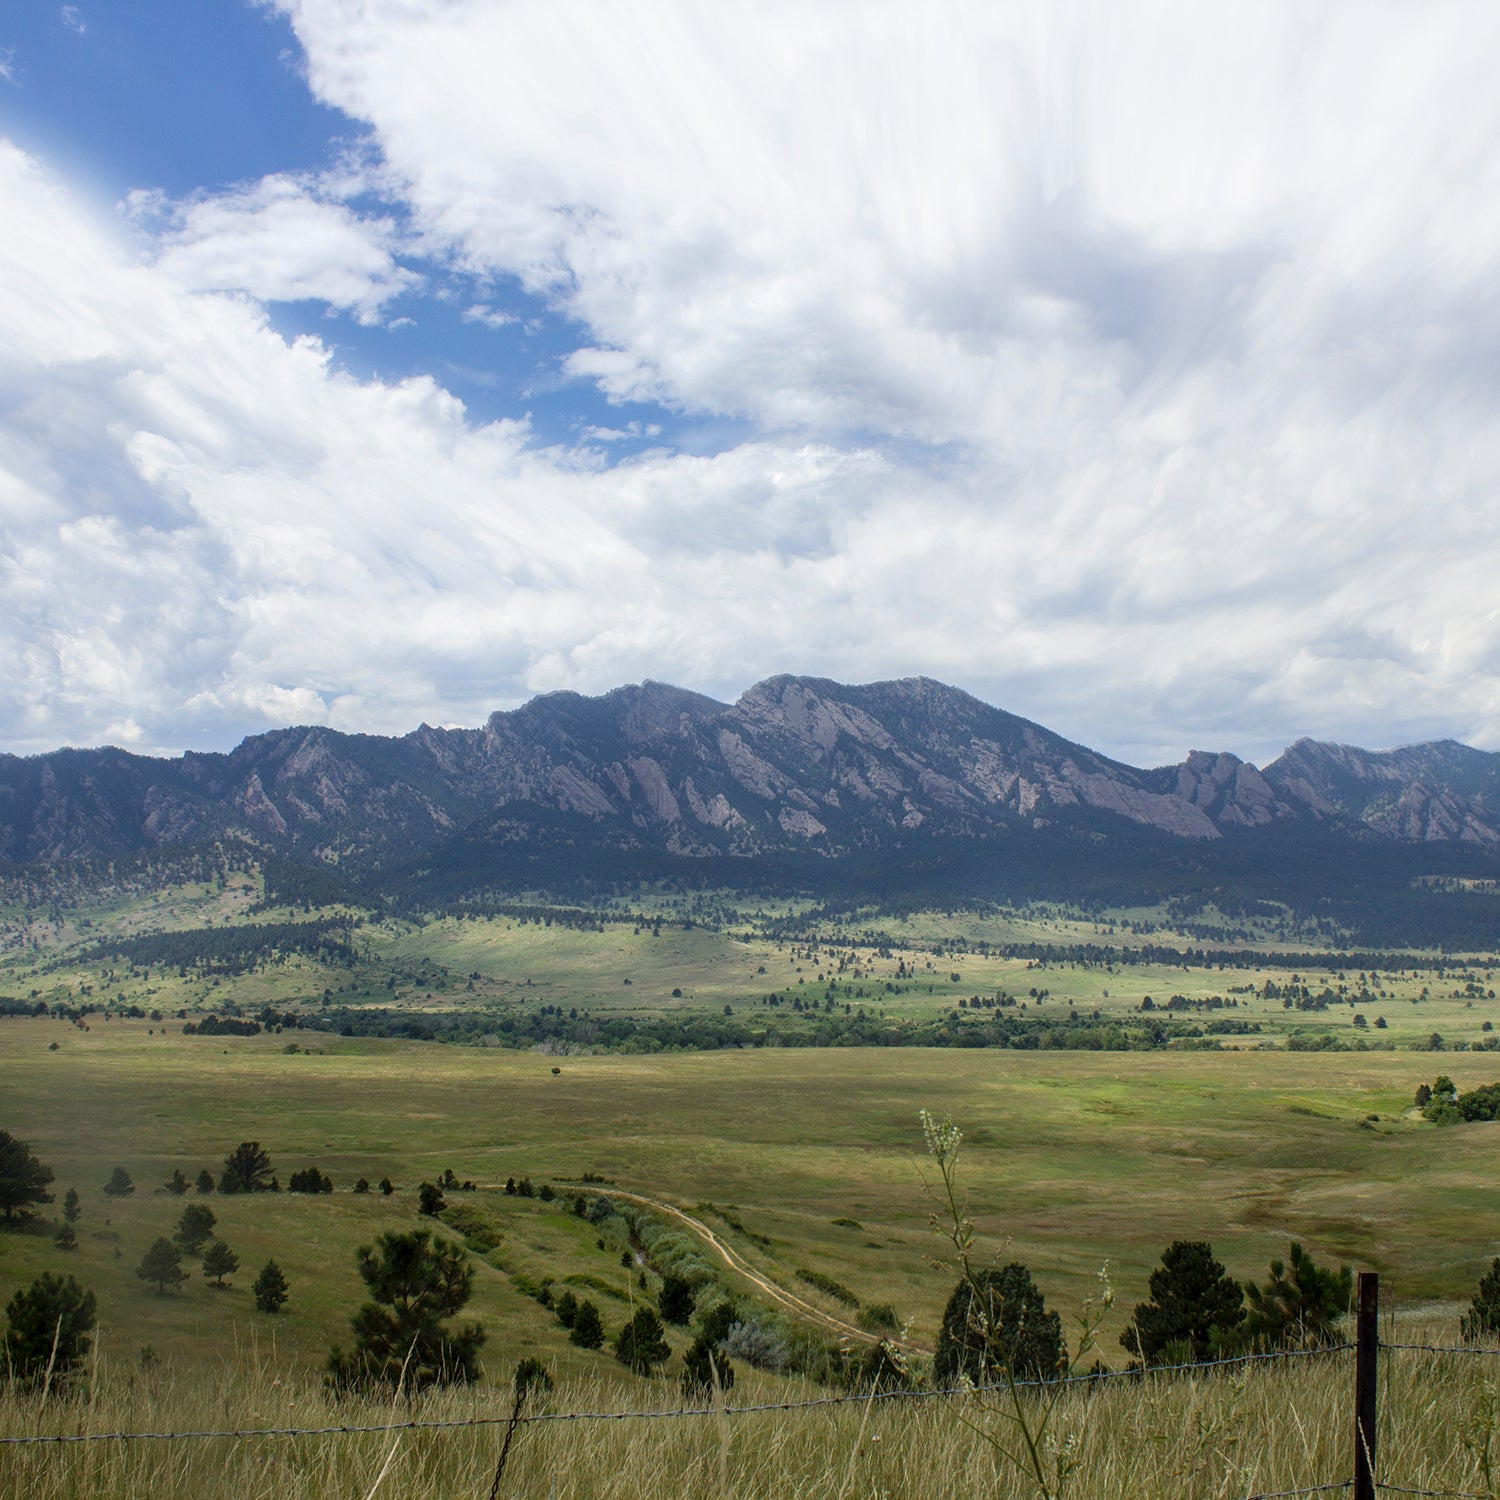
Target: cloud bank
<point>1135,369</point>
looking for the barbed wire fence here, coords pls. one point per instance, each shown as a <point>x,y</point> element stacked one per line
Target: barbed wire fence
<point>1364,1481</point>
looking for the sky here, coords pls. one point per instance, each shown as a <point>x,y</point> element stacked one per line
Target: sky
<point>376,362</point>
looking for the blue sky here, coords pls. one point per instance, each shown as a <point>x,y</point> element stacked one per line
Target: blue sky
<point>374,361</point>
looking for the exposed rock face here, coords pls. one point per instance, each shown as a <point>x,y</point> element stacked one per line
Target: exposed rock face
<point>1439,791</point>
<point>796,763</point>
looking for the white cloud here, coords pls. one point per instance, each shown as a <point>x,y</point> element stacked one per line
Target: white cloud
<point>7,65</point>
<point>282,239</point>
<point>73,19</point>
<point>1132,368</point>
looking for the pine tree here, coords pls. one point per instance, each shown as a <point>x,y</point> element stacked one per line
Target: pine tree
<point>50,1324</point>
<point>703,1362</point>
<point>1003,1326</point>
<point>415,1284</point>
<point>195,1228</point>
<point>176,1184</point>
<point>23,1179</point>
<point>162,1266</point>
<point>220,1261</point>
<point>270,1288</point>
<point>119,1184</point>
<point>205,1181</point>
<point>66,1238</point>
<point>588,1327</point>
<point>247,1169</point>
<point>642,1343</point>
<point>72,1208</point>
<point>676,1300</point>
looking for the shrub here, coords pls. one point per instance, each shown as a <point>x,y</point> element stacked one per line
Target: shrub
<point>531,1375</point>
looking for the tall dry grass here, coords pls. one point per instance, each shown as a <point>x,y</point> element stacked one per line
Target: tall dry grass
<point>1210,1436</point>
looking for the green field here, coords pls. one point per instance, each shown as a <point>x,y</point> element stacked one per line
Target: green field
<point>1071,1159</point>
<point>805,1160</point>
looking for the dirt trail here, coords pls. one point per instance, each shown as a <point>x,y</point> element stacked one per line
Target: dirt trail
<point>731,1258</point>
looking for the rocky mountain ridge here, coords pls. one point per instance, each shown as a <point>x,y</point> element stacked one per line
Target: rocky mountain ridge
<point>795,764</point>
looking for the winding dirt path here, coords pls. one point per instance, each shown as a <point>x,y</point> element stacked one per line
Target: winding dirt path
<point>779,1294</point>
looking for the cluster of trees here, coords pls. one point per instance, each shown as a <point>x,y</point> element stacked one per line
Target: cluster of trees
<point>998,1322</point>
<point>1442,1103</point>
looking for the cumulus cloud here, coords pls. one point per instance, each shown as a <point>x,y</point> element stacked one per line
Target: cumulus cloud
<point>281,239</point>
<point>1131,369</point>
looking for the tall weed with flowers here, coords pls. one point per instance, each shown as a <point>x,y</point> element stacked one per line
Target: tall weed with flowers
<point>1016,1418</point>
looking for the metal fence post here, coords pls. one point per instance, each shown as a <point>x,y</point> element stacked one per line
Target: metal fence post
<point>1366,1345</point>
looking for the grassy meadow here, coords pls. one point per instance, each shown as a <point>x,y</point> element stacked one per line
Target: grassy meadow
<point>805,1162</point>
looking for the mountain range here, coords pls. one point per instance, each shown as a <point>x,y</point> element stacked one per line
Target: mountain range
<point>796,765</point>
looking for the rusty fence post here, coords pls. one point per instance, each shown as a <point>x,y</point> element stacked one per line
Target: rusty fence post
<point>1366,1346</point>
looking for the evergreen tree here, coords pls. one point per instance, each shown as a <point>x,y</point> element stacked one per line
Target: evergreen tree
<point>176,1184</point>
<point>642,1343</point>
<point>195,1228</point>
<point>363,1185</point>
<point>1482,1321</point>
<point>247,1169</point>
<point>205,1181</point>
<point>23,1179</point>
<point>676,1300</point>
<point>588,1327</point>
<point>387,1187</point>
<point>119,1184</point>
<point>50,1324</point>
<point>66,1237</point>
<point>72,1207</point>
<point>1301,1304</point>
<point>703,1361</point>
<point>1194,1307</point>
<point>161,1265</point>
<point>416,1283</point>
<point>270,1288</point>
<point>430,1200</point>
<point>220,1261</point>
<point>566,1308</point>
<point>1003,1325</point>
<point>531,1375</point>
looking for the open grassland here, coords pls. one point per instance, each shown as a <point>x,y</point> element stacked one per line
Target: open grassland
<point>929,968</point>
<point>800,1159</point>
<point>1170,1438</point>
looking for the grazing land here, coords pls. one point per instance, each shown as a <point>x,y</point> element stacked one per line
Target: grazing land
<point>706,1081</point>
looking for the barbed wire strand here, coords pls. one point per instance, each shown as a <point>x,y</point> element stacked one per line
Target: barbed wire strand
<point>1312,1489</point>
<point>1401,1489</point>
<point>1444,1348</point>
<point>420,1424</point>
